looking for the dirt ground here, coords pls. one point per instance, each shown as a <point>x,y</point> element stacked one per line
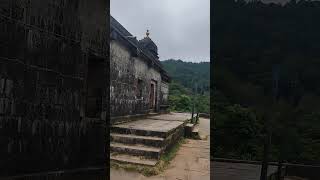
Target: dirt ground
<point>192,161</point>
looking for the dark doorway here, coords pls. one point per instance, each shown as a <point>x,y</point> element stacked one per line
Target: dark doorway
<point>153,94</point>
<point>139,88</point>
<point>95,86</point>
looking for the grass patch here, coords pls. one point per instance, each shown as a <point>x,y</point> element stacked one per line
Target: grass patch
<point>167,157</point>
<point>147,171</point>
<point>152,171</point>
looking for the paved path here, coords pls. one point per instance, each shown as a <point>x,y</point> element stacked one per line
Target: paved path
<point>191,162</point>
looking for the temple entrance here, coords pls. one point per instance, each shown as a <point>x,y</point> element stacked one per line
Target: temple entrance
<point>95,86</point>
<point>153,94</point>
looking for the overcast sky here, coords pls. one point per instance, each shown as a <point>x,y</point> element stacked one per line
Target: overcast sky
<point>180,28</point>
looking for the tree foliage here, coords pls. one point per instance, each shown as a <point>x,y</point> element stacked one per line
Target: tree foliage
<point>250,40</point>
<point>191,82</point>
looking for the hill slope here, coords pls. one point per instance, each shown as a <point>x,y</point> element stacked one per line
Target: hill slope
<point>189,74</point>
<point>185,77</point>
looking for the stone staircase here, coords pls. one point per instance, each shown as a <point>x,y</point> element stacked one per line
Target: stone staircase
<point>142,146</point>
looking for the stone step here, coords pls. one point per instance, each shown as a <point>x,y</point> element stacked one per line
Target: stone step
<point>124,158</point>
<point>136,150</point>
<point>188,129</point>
<point>138,132</point>
<point>147,127</point>
<point>135,139</point>
<point>153,114</point>
<point>195,132</point>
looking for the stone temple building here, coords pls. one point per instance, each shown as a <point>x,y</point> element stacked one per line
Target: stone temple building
<point>138,84</point>
<point>138,95</point>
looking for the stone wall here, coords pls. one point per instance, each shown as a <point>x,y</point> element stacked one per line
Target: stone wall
<point>125,73</point>
<point>164,93</point>
<point>44,49</point>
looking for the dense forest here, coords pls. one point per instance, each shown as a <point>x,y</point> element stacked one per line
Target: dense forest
<point>266,69</point>
<point>190,84</point>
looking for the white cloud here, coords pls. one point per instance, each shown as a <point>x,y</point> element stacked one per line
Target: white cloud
<point>180,28</point>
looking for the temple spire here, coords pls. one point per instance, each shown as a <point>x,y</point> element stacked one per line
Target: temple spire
<point>147,33</point>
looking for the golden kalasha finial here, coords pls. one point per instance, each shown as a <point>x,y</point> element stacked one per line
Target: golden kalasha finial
<point>147,33</point>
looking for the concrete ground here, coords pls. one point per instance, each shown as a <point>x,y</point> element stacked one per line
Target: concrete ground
<point>192,161</point>
<point>151,125</point>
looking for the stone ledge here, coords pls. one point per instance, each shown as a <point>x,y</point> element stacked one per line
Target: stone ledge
<point>123,158</point>
<point>136,150</point>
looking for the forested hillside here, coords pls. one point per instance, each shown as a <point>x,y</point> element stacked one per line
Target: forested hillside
<point>267,61</point>
<point>188,74</point>
<point>189,80</point>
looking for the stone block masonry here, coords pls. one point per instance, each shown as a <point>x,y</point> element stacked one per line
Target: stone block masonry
<point>125,73</point>
<point>138,83</point>
<point>45,46</point>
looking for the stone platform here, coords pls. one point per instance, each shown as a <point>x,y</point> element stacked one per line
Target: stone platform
<point>172,117</point>
<point>143,141</point>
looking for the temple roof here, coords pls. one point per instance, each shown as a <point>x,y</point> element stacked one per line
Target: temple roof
<point>145,47</point>
<point>149,45</point>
